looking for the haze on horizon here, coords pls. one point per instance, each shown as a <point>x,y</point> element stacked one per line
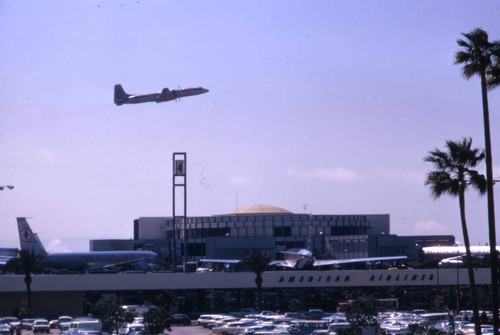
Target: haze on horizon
<point>333,104</point>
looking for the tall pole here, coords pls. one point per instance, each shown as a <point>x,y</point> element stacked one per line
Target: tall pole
<point>179,181</point>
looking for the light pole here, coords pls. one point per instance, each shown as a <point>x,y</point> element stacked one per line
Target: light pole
<point>10,187</point>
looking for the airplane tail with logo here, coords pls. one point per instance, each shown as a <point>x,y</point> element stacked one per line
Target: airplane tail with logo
<point>120,94</point>
<point>29,240</point>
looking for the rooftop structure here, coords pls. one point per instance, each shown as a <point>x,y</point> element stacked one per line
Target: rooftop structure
<point>270,229</point>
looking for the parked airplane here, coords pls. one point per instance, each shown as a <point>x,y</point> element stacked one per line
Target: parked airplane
<point>6,254</point>
<point>105,261</point>
<point>121,97</point>
<point>299,258</point>
<point>457,250</point>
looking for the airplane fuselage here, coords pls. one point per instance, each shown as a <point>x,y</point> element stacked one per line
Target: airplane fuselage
<point>137,260</point>
<point>140,98</point>
<point>100,260</point>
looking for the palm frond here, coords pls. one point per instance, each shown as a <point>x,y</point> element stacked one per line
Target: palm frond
<point>476,53</point>
<point>454,168</point>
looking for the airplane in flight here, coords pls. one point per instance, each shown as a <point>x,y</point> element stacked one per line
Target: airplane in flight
<point>93,261</point>
<point>121,97</point>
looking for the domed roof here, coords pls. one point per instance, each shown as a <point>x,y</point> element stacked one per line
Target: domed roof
<point>260,209</point>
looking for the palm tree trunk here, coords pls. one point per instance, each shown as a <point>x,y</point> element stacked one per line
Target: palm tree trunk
<point>27,281</point>
<point>258,281</point>
<point>470,269</point>
<point>491,206</point>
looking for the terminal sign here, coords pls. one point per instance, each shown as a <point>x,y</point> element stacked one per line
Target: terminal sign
<point>180,168</point>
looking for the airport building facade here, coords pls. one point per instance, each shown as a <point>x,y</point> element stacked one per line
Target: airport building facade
<point>269,229</point>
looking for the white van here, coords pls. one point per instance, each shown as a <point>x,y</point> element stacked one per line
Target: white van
<point>76,326</point>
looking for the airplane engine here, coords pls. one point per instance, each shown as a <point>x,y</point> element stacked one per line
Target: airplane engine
<point>303,262</point>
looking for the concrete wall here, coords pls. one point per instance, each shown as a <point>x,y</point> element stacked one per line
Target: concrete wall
<point>64,293</point>
<point>44,304</point>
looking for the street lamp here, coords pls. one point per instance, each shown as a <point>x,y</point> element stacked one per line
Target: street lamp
<point>10,187</point>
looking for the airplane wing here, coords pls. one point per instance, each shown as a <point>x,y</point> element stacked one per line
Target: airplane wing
<point>297,252</point>
<point>128,265</point>
<point>324,262</point>
<point>286,263</point>
<point>228,261</point>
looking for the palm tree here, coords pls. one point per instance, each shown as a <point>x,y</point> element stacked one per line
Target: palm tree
<point>258,264</point>
<point>27,263</point>
<point>454,172</point>
<point>493,73</point>
<point>111,314</point>
<point>479,57</point>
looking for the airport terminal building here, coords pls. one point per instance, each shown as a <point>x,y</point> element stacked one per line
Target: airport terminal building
<point>269,229</point>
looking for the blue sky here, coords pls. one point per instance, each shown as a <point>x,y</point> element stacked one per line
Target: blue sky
<point>333,104</point>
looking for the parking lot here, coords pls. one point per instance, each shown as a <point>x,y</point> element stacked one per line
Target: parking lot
<point>180,330</point>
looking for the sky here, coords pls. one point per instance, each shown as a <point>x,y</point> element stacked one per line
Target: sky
<point>324,107</point>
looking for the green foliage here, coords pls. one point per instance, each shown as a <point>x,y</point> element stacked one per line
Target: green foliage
<point>362,312</point>
<point>295,305</point>
<point>454,169</point>
<point>454,173</point>
<point>420,329</point>
<point>23,311</point>
<point>256,263</point>
<point>27,263</point>
<point>111,314</point>
<point>157,319</point>
<point>479,56</point>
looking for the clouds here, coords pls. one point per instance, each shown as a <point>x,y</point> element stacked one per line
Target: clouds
<point>239,180</point>
<point>47,155</point>
<point>329,174</point>
<point>340,174</point>
<point>57,245</point>
<point>430,227</point>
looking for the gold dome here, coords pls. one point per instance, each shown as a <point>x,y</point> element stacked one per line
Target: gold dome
<point>260,209</point>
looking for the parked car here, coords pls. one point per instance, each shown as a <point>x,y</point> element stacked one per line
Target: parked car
<point>27,323</point>
<point>84,324</point>
<point>233,327</point>
<point>243,312</point>
<point>131,327</point>
<point>61,323</point>
<point>180,319</point>
<point>40,326</point>
<point>10,321</point>
<point>205,319</point>
<point>4,329</point>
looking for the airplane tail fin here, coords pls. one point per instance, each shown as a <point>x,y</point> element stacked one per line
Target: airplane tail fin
<point>120,94</point>
<point>29,240</point>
